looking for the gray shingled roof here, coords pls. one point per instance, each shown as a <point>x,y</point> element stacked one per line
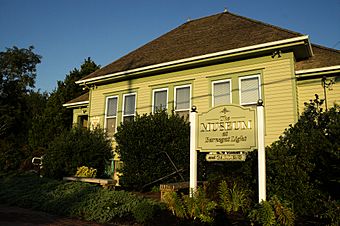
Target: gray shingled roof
<point>323,57</point>
<point>220,32</point>
<point>82,98</point>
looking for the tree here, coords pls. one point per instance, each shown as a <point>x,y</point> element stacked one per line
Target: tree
<point>17,78</point>
<point>56,118</point>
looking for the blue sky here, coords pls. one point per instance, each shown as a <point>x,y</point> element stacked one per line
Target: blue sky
<point>65,32</point>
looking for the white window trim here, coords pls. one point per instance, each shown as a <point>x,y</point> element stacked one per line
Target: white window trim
<point>240,91</point>
<point>123,110</point>
<point>106,117</point>
<point>153,98</point>
<point>175,95</point>
<point>212,90</point>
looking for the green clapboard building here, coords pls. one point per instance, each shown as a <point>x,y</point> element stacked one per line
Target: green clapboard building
<point>219,59</point>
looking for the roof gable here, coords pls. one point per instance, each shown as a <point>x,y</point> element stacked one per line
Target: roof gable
<point>221,32</point>
<point>80,100</point>
<point>323,57</point>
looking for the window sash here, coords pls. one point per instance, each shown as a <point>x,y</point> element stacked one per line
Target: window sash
<point>111,115</point>
<point>111,125</point>
<point>221,93</point>
<point>250,91</point>
<point>129,105</point>
<point>182,98</point>
<point>160,100</point>
<point>111,107</point>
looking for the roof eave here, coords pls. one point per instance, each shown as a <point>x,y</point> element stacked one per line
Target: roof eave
<point>317,71</point>
<point>76,104</point>
<point>304,52</point>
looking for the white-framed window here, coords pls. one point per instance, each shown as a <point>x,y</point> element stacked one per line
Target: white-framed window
<point>183,100</point>
<point>159,99</point>
<point>111,115</point>
<point>221,92</point>
<point>250,89</point>
<point>129,106</point>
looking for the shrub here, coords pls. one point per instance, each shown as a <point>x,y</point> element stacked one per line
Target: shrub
<point>196,207</point>
<point>272,212</point>
<point>85,171</point>
<point>144,144</point>
<point>145,210</point>
<point>12,154</point>
<point>76,199</point>
<point>75,148</point>
<point>303,164</point>
<point>332,213</point>
<point>234,199</point>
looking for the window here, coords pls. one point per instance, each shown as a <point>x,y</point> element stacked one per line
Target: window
<point>160,100</point>
<point>221,92</point>
<point>249,90</point>
<point>111,115</point>
<point>182,101</point>
<point>82,121</point>
<point>129,106</point>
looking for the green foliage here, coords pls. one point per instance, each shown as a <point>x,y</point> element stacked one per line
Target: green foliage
<point>85,171</point>
<point>145,210</point>
<point>145,141</point>
<point>272,212</point>
<point>17,77</point>
<point>75,199</point>
<point>199,206</point>
<point>18,104</point>
<point>332,213</point>
<point>175,204</point>
<point>233,199</point>
<point>56,118</point>
<point>196,207</point>
<point>243,173</point>
<point>77,147</point>
<point>303,164</point>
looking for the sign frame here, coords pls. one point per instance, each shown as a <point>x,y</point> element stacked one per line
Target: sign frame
<point>227,128</point>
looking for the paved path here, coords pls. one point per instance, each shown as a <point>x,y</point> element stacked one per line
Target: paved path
<point>15,216</point>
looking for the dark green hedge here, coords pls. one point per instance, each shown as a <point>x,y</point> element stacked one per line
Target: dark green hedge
<point>76,199</point>
<point>303,165</point>
<point>75,148</point>
<point>142,145</point>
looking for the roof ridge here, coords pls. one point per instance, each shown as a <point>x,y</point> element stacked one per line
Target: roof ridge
<point>246,18</point>
<point>266,24</point>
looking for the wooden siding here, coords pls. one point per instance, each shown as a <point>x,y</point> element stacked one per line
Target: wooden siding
<point>308,88</point>
<point>277,90</point>
<point>79,112</point>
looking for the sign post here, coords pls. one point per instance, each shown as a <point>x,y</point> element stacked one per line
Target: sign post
<point>227,133</point>
<point>193,153</point>
<point>261,152</point>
